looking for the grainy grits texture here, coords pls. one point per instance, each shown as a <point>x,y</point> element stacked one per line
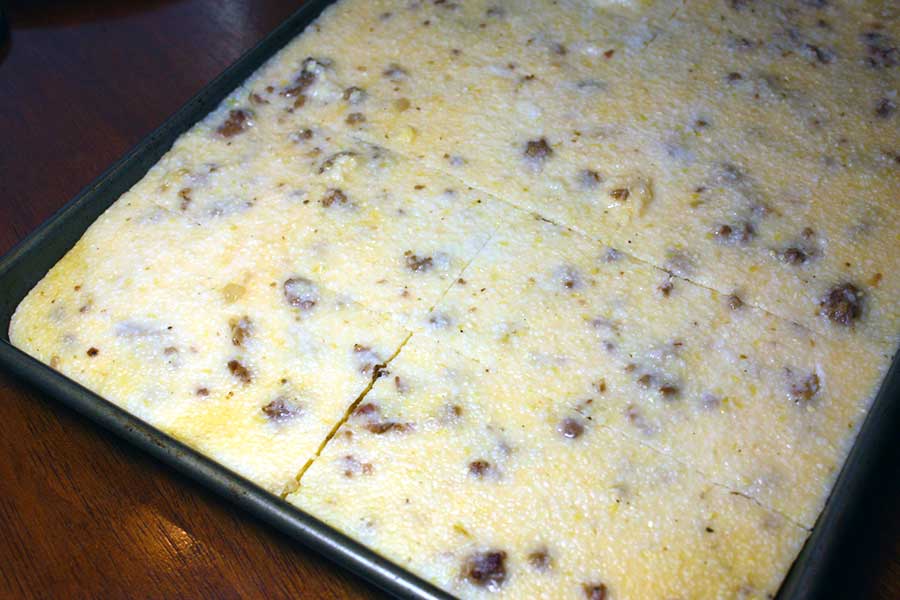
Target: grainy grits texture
<point>771,415</point>
<point>646,253</point>
<point>749,146</point>
<point>209,350</point>
<point>483,497</point>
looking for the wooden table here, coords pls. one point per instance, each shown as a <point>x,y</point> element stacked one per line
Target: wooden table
<point>81,513</point>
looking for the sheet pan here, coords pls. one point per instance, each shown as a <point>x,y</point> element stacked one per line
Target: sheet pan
<point>811,576</point>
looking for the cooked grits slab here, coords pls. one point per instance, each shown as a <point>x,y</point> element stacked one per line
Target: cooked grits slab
<point>756,403</point>
<point>237,354</point>
<point>749,147</point>
<point>368,224</point>
<point>537,299</point>
<point>442,470</point>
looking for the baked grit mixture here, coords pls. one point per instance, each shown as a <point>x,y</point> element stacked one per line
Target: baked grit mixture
<point>581,299</point>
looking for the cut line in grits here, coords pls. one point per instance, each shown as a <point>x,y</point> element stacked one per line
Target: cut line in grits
<point>428,165</point>
<point>376,373</point>
<point>295,484</point>
<point>459,275</point>
<point>490,197</point>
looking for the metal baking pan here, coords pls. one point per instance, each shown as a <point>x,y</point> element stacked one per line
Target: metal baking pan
<point>812,575</point>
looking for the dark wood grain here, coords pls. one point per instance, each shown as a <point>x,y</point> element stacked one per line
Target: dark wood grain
<point>81,513</point>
